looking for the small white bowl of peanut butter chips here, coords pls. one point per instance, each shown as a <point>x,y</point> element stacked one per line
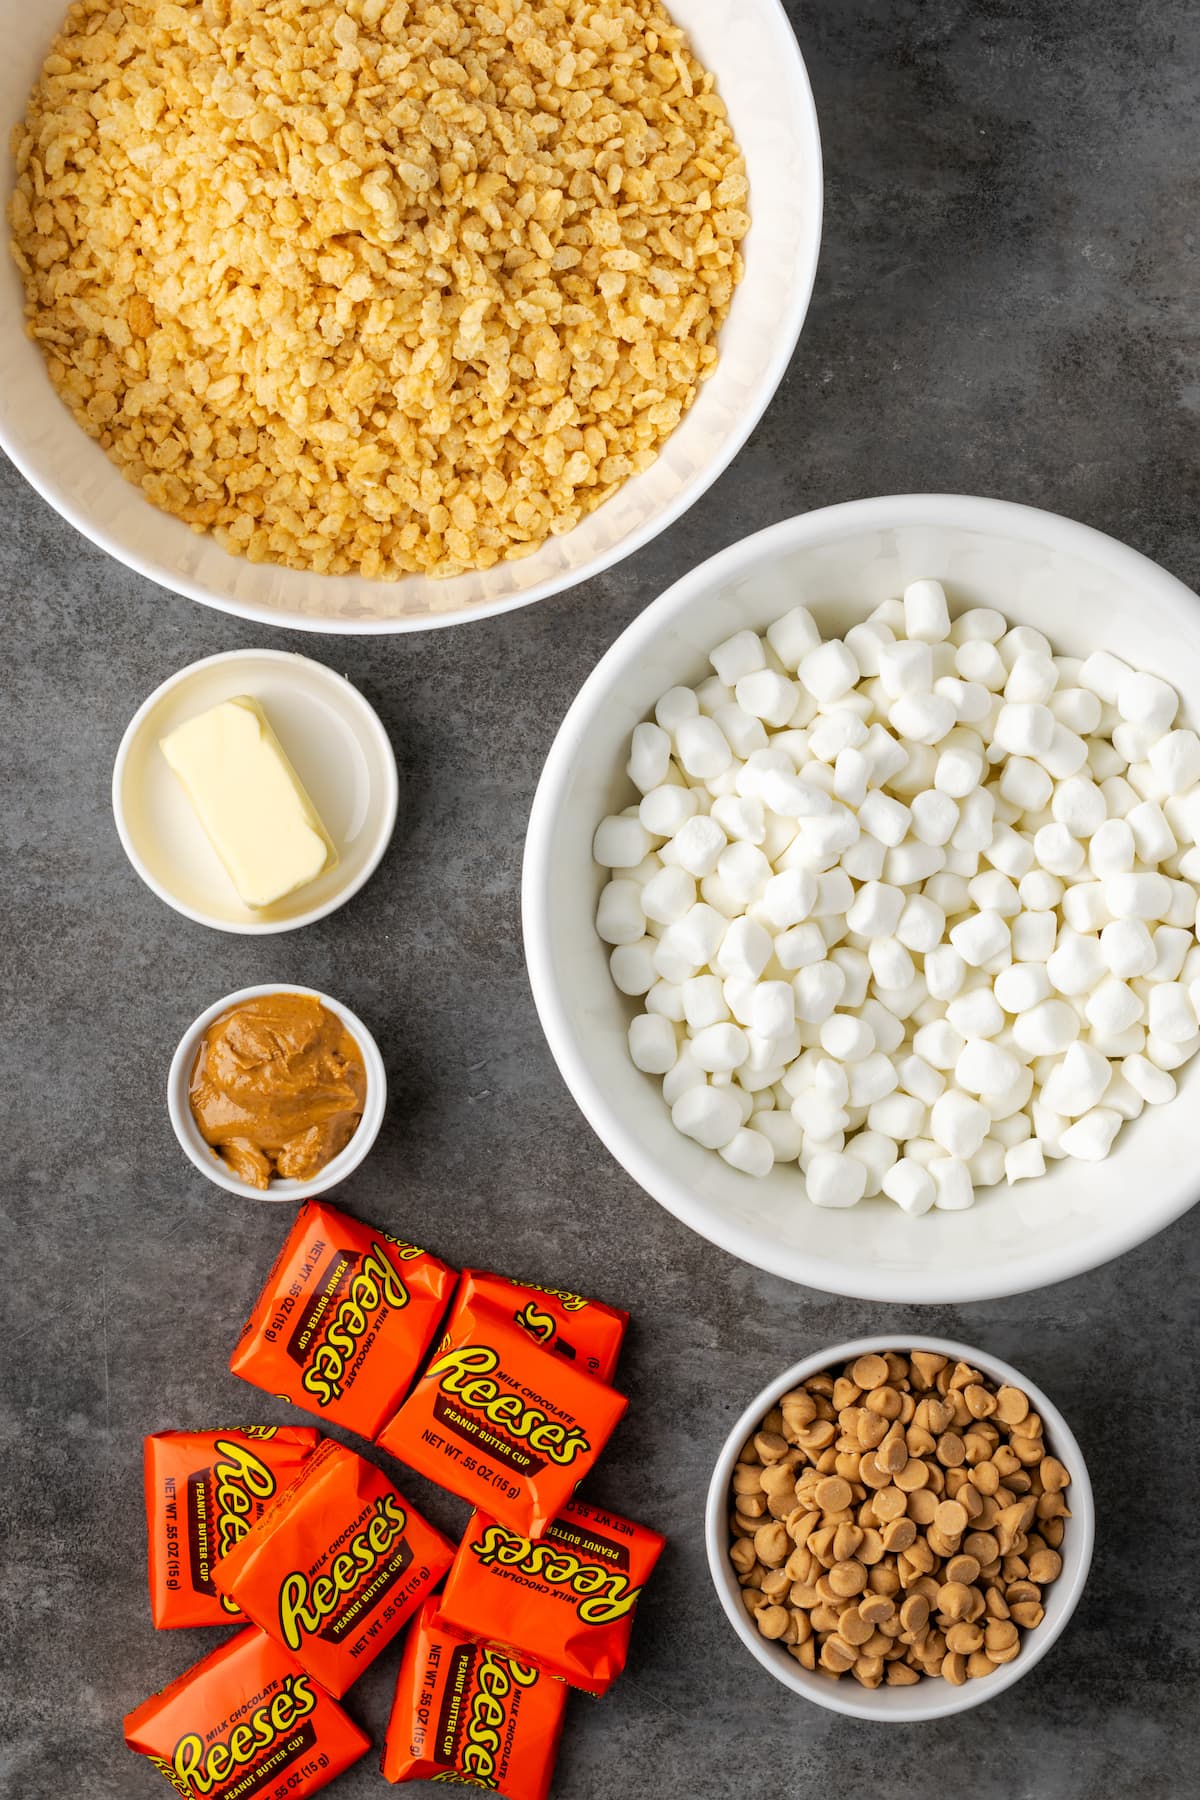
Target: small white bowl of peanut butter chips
<point>941,1558</point>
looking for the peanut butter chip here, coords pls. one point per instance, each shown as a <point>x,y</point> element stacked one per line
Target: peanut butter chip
<point>1011,1405</point>
<point>833,1494</point>
<point>914,1475</point>
<point>847,1578</point>
<point>951,1519</point>
<point>869,1371</point>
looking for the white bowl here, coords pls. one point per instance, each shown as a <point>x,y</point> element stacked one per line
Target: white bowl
<point>1081,589</point>
<point>931,1698</point>
<point>206,1159</point>
<point>336,743</point>
<point>761,76</point>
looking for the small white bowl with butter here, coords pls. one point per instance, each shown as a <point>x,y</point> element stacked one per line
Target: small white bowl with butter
<point>255,791</point>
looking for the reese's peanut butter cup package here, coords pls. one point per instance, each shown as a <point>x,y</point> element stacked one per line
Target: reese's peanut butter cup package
<point>586,1332</point>
<point>502,1422</point>
<point>336,1566</point>
<point>204,1490</point>
<point>470,1714</point>
<point>565,1602</point>
<point>247,1721</point>
<point>344,1320</point>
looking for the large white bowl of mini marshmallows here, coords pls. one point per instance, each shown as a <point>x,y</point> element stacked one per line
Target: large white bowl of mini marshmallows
<point>861,891</point>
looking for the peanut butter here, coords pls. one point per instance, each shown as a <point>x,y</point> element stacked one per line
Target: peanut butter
<point>278,1087</point>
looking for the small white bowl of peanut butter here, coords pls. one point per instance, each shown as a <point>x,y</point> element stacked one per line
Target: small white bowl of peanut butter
<point>277,1092</point>
<point>899,1528</point>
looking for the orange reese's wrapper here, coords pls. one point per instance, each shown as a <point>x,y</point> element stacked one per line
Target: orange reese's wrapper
<point>204,1490</point>
<point>565,1602</point>
<point>586,1332</point>
<point>247,1721</point>
<point>344,1320</point>
<point>336,1566</point>
<point>501,1422</point>
<point>469,1714</point>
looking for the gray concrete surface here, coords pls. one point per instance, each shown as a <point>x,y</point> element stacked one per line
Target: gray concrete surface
<point>1006,305</point>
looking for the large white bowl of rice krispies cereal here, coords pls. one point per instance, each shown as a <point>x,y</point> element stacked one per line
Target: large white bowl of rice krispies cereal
<point>337,336</point>
<point>1080,1146</point>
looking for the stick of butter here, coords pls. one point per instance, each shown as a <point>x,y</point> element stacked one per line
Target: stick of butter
<point>250,800</point>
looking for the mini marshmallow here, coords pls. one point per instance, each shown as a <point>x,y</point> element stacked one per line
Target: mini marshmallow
<point>632,967</point>
<point>938,1043</point>
<point>1040,891</point>
<point>1078,1082</point>
<point>799,946</point>
<point>984,1067</point>
<point>1112,850</point>
<point>852,772</point>
<point>795,798</point>
<point>1024,1161</point>
<point>1169,1053</point>
<point>1079,806</point>
<point>944,971</point>
<point>702,747</point>
<point>1076,708</point>
<point>709,1115</point>
<point>1175,760</point>
<point>1153,839</point>
<point>1076,963</point>
<point>958,1123</point>
<point>781,1131</point>
<point>1025,784</point>
<point>921,925</point>
<point>698,844</point>
<point>1182,909</point>
<point>976,821</point>
<point>926,615</point>
<point>1022,986</point>
<point>934,816</point>
<point>1047,1028</point>
<point>1171,947</point>
<point>1067,754</point>
<point>1127,948</point>
<point>1084,908</point>
<point>876,1153</point>
<point>990,891</point>
<point>835,892</point>
<point>910,1186</point>
<point>970,699</point>
<point>829,671</point>
<point>789,898</point>
<point>1170,1012</point>
<point>980,937</point>
<point>698,934</point>
<point>621,842</point>
<point>767,696</point>
<point>739,655</point>
<point>650,754</point>
<point>958,771</point>
<point>817,989</point>
<point>1009,852</point>
<point>981,662</point>
<point>1057,851</point>
<point>1155,1085</point>
<point>835,1180</point>
<point>923,718</point>
<point>744,870</point>
<point>653,1046</point>
<point>1145,700</point>
<point>920,766</point>
<point>1024,729</point>
<point>954,1189</point>
<point>1033,936</point>
<point>743,731</point>
<point>976,1013</point>
<point>664,810</point>
<point>857,970</point>
<point>1103,674</point>
<point>905,667</point>
<point>667,895</point>
<point>745,950</point>
<point>749,1151</point>
<point>834,732</point>
<point>773,1009</point>
<point>794,636</point>
<point>847,1038</point>
<point>920,1079</point>
<point>1141,896</point>
<point>719,1049</point>
<point>619,915</point>
<point>884,818</point>
<point>979,624</point>
<point>1031,677</point>
<point>896,1115</point>
<point>1090,1137</point>
<point>876,909</point>
<point>704,1002</point>
<point>887,1026</point>
<point>912,862</point>
<point>891,964</point>
<point>1111,1007</point>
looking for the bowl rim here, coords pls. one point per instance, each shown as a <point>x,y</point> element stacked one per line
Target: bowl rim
<point>373,730</point>
<point>279,1192</point>
<point>847,1697</point>
<point>791,322</point>
<point>848,518</point>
